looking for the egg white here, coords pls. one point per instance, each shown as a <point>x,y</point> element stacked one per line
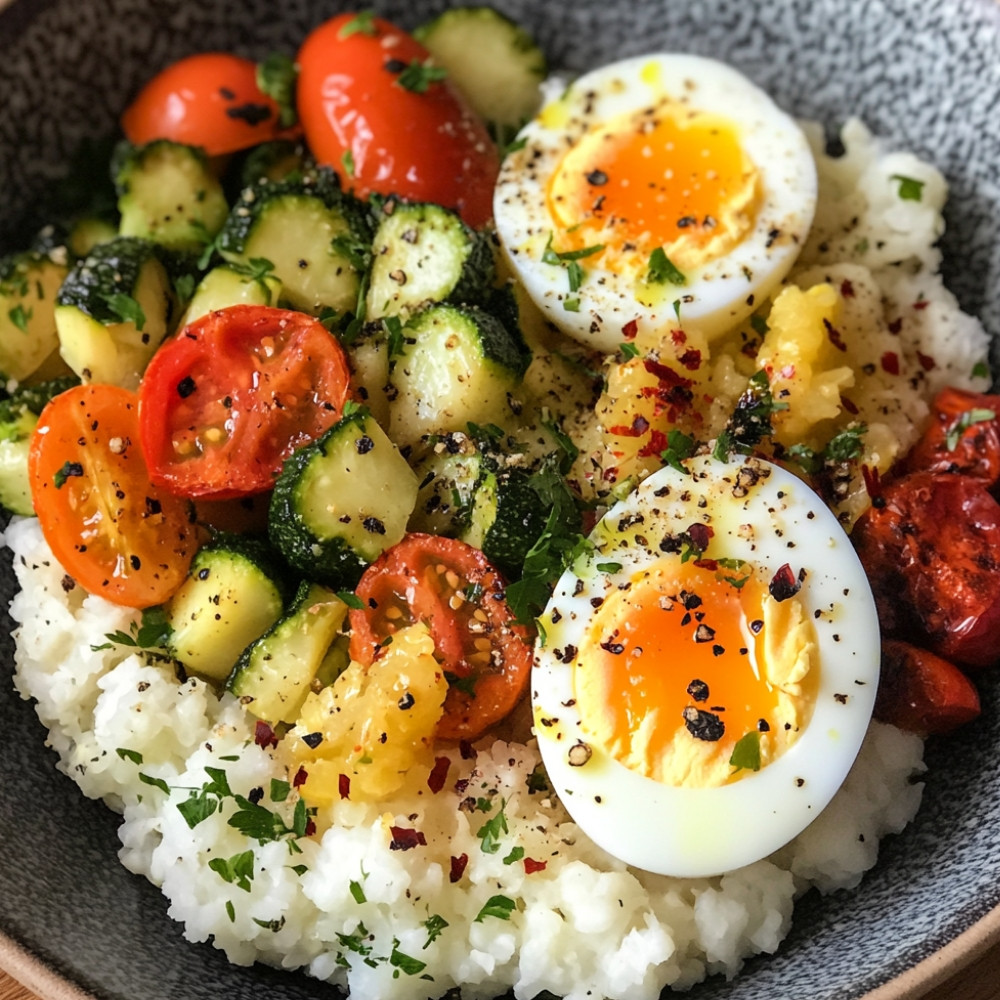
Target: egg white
<point>716,295</point>
<point>768,521</point>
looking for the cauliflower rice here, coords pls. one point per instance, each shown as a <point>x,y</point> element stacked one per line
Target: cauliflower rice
<point>484,883</point>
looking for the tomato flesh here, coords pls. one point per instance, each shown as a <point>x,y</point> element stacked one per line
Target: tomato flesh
<point>961,437</point>
<point>454,589</point>
<point>223,404</point>
<point>111,529</point>
<point>931,548</point>
<point>210,100</point>
<point>923,693</point>
<point>421,144</point>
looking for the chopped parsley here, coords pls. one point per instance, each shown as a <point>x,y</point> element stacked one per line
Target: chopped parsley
<point>363,23</point>
<point>125,308</point>
<point>679,446</point>
<point>152,631</point>
<point>500,907</point>
<point>662,271</point>
<point>435,924</point>
<point>257,269</point>
<point>237,870</point>
<point>628,350</point>
<point>980,370</point>
<point>910,189</point>
<point>746,753</point>
<point>844,446</point>
<point>347,162</point>
<point>516,854</point>
<point>20,316</point>
<point>490,832</point>
<point>418,76</point>
<point>65,472</point>
<point>968,419</point>
<point>276,77</point>
<point>751,420</point>
<point>358,892</point>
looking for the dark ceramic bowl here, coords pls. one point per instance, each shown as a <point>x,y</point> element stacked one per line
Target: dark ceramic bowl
<point>925,73</point>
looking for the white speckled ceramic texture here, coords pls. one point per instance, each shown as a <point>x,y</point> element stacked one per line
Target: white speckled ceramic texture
<point>925,73</point>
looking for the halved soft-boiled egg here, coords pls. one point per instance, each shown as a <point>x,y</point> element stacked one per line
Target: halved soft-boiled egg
<point>658,186</point>
<point>706,673</point>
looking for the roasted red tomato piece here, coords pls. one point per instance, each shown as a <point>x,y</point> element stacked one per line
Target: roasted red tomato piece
<point>225,402</point>
<point>963,436</point>
<point>452,587</point>
<point>210,100</point>
<point>922,692</point>
<point>373,107</point>
<point>111,529</point>
<point>931,548</point>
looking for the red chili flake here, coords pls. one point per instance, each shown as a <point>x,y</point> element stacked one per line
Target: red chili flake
<point>847,289</point>
<point>467,750</point>
<point>344,786</point>
<point>630,329</point>
<point>531,866</point>
<point>783,584</point>
<point>263,735</point>
<point>848,405</point>
<point>700,535</point>
<point>300,777</point>
<point>610,474</point>
<point>833,334</point>
<point>439,774</point>
<point>921,304</point>
<point>926,361</point>
<point>890,362</point>
<point>656,444</point>
<point>458,867</point>
<point>896,325</point>
<point>709,564</point>
<point>873,484</point>
<point>691,359</point>
<point>404,838</point>
<point>310,827</point>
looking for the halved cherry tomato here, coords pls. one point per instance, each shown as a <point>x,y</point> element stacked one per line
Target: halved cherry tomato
<point>210,100</point>
<point>110,528</point>
<point>963,436</point>
<point>930,545</point>
<point>225,402</point>
<point>921,692</point>
<point>369,109</point>
<point>454,589</point>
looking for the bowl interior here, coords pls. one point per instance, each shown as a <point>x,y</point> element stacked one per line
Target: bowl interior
<point>923,73</point>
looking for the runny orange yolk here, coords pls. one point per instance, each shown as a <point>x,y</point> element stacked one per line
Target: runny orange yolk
<point>667,176</point>
<point>682,648</point>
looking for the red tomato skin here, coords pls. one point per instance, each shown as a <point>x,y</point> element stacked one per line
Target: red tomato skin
<point>923,693</point>
<point>977,448</point>
<point>420,146</point>
<point>210,100</point>
<point>414,576</point>
<point>266,381</point>
<point>931,549</point>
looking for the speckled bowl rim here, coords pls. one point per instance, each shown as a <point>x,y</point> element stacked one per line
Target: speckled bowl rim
<point>935,970</point>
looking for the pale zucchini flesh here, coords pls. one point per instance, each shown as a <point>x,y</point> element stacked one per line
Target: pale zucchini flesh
<point>29,284</point>
<point>275,673</point>
<point>226,286</point>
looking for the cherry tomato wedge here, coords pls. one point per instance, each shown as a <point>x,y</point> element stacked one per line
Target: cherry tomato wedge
<point>111,529</point>
<point>453,588</point>
<point>923,693</point>
<point>210,100</point>
<point>371,108</point>
<point>930,545</point>
<point>963,436</point>
<point>225,402</point>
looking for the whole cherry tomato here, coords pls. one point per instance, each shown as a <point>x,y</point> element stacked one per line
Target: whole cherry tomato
<point>373,107</point>
<point>210,100</point>
<point>453,588</point>
<point>223,404</point>
<point>930,545</point>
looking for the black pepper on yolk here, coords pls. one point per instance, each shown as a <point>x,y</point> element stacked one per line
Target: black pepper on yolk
<point>666,177</point>
<point>674,671</point>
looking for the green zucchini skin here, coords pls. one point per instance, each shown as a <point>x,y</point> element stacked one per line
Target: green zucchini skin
<point>275,673</point>
<point>341,501</point>
<point>236,590</point>
<point>424,253</point>
<point>168,194</point>
<point>315,236</point>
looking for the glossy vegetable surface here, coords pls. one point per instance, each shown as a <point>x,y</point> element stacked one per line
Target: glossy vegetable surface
<point>374,107</point>
<point>453,589</point>
<point>225,402</point>
<point>112,530</point>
